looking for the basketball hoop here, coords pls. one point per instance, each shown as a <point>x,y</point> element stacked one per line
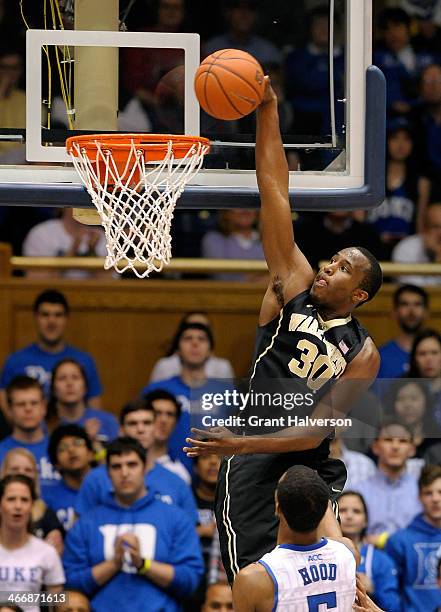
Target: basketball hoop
<point>134,181</point>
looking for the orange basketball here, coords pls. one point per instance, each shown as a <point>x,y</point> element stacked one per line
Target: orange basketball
<point>229,84</point>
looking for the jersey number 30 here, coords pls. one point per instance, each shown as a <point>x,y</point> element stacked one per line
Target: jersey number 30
<point>316,368</point>
<point>314,601</point>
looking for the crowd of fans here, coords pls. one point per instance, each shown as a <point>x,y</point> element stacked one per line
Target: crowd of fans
<point>104,507</point>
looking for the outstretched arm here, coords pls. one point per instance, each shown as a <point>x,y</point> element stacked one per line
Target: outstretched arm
<point>290,272</point>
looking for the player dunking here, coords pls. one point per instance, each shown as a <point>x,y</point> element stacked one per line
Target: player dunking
<point>306,333</point>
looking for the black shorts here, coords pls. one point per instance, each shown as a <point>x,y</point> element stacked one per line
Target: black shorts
<point>245,508</point>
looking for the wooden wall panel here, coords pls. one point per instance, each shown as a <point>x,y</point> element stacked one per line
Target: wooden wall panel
<point>126,325</point>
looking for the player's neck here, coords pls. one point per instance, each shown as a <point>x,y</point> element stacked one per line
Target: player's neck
<point>286,535</point>
<point>329,315</point>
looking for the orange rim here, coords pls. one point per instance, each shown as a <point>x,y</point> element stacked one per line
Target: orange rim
<point>154,146</point>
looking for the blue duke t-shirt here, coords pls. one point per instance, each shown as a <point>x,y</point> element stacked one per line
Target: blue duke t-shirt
<point>109,427</point>
<point>61,499</point>
<point>47,473</point>
<point>33,361</point>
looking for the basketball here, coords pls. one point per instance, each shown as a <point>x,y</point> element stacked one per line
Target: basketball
<point>229,84</point>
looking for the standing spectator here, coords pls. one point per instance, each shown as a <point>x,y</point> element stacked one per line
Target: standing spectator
<point>28,563</point>
<point>68,404</point>
<point>167,412</point>
<point>307,78</point>
<point>407,192</point>
<point>376,570</point>
<point>134,548</point>
<point>423,247</point>
<point>27,409</point>
<point>425,362</point>
<point>400,64</point>
<point>170,365</point>
<point>241,17</point>
<point>137,420</point>
<point>195,343</point>
<point>358,466</point>
<point>64,237</point>
<point>45,524</point>
<point>384,493</point>
<point>414,549</point>
<point>71,451</point>
<point>37,360</point>
<point>237,238</point>
<point>410,311</point>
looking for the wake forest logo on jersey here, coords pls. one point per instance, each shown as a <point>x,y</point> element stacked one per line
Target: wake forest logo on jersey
<point>313,365</point>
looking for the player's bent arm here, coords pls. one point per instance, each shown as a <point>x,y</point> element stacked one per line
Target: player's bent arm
<point>253,590</point>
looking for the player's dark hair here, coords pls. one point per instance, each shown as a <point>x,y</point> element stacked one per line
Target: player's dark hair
<point>393,15</point>
<point>51,296</point>
<point>162,394</point>
<point>390,421</point>
<point>414,371</point>
<point>422,293</point>
<point>52,416</point>
<point>303,498</point>
<point>362,502</point>
<point>22,383</point>
<point>373,277</point>
<point>428,475</point>
<point>133,406</point>
<point>66,431</point>
<point>123,446</point>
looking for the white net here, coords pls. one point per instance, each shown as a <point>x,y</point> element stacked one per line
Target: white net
<point>136,202</point>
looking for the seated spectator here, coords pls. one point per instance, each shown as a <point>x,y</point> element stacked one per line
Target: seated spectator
<point>411,401</point>
<point>68,404</point>
<point>426,117</point>
<point>37,360</point>
<point>237,238</point>
<point>398,61</point>
<point>307,78</point>
<point>76,601</point>
<point>70,450</point>
<point>414,549</point>
<point>167,412</point>
<point>407,192</point>
<point>427,19</point>
<point>410,311</point>
<point>241,17</point>
<point>27,409</point>
<point>358,466</point>
<point>28,564</point>
<point>218,598</point>
<point>64,237</point>
<point>170,365</point>
<point>376,570</point>
<point>384,493</point>
<point>195,343</point>
<point>134,548</point>
<point>425,362</point>
<point>44,524</point>
<point>424,247</point>
<point>137,420</point>
<point>337,230</point>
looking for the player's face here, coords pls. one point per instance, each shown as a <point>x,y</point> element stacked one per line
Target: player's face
<point>428,358</point>
<point>73,454</point>
<point>127,475</point>
<point>194,348</point>
<point>430,498</point>
<point>19,464</point>
<point>352,516</point>
<point>69,384</point>
<point>410,403</point>
<point>51,321</point>
<point>27,409</point>
<point>165,420</point>
<point>207,469</point>
<point>76,602</point>
<point>410,312</point>
<point>16,506</point>
<point>140,425</point>
<point>336,285</point>
<point>218,598</point>
<point>393,447</point>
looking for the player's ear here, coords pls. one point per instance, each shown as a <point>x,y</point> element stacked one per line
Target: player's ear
<point>276,503</point>
<point>359,296</point>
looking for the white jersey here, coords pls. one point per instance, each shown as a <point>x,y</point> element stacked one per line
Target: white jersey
<point>312,578</point>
